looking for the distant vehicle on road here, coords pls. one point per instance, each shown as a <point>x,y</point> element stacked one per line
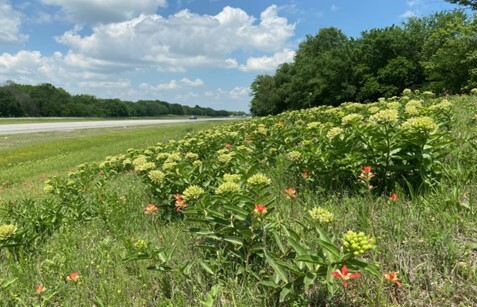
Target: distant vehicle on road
<point>192,117</point>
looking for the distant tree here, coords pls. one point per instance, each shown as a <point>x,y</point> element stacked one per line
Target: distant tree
<point>9,107</point>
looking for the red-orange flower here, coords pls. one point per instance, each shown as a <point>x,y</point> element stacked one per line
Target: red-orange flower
<point>305,175</point>
<point>393,197</point>
<point>227,146</point>
<point>366,173</point>
<point>345,275</point>
<point>150,209</point>
<point>290,193</point>
<point>74,277</point>
<point>392,277</point>
<point>260,209</point>
<point>40,289</point>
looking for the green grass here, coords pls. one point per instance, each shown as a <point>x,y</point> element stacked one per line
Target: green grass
<point>430,237</point>
<point>26,160</point>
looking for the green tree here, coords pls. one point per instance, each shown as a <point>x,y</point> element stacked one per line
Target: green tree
<point>9,107</point>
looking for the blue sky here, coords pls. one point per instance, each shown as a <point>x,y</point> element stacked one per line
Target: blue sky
<point>204,52</point>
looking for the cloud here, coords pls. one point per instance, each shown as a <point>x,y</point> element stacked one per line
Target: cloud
<point>268,64</point>
<point>238,93</point>
<point>408,14</point>
<point>193,83</point>
<point>10,23</point>
<point>334,8</point>
<point>181,40</point>
<point>172,85</point>
<point>105,11</point>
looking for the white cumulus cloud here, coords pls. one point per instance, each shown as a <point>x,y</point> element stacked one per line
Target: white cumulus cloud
<point>105,11</point>
<point>181,40</point>
<point>268,63</point>
<point>10,23</point>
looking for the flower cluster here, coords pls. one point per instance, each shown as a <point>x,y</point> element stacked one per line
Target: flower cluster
<point>321,215</point>
<point>6,231</point>
<point>259,179</point>
<point>357,243</point>
<point>192,192</point>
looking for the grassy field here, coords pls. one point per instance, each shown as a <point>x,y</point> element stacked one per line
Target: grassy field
<point>250,214</point>
<point>26,160</point>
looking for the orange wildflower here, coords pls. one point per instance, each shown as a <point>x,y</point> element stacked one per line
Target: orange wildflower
<point>393,197</point>
<point>39,289</point>
<point>150,209</point>
<point>290,193</point>
<point>392,277</point>
<point>345,275</point>
<point>74,277</point>
<point>260,209</point>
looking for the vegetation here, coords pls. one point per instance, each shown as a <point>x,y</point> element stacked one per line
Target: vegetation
<point>26,159</point>
<point>46,100</point>
<point>362,204</point>
<point>436,53</point>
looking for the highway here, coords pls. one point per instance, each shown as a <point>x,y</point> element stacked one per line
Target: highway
<point>67,126</point>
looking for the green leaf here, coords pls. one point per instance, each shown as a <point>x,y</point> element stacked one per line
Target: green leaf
<point>284,293</point>
<point>281,274</point>
<point>206,267</point>
<point>300,250</point>
<point>234,240</point>
<point>309,279</point>
<point>278,241</point>
<point>367,267</point>
<point>270,284</point>
<point>331,250</point>
<point>237,210</point>
<point>203,232</point>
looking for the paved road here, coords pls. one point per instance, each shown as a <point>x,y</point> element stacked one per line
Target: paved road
<point>65,126</point>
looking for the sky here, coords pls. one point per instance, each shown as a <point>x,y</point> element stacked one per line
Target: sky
<point>192,52</point>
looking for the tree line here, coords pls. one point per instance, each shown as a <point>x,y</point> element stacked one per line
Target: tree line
<point>46,100</point>
<point>436,53</point>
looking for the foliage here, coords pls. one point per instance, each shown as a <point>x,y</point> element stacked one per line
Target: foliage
<point>434,53</point>
<point>46,100</point>
<point>291,209</point>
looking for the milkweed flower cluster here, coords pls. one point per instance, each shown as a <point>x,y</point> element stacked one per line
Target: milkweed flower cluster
<point>141,164</point>
<point>334,132</point>
<point>321,215</point>
<point>156,176</point>
<point>388,116</point>
<point>228,187</point>
<point>192,192</point>
<point>6,231</point>
<point>259,179</point>
<point>357,243</point>
<point>420,124</point>
<point>232,177</point>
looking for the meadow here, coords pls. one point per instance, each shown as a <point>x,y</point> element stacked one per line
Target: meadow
<point>361,204</point>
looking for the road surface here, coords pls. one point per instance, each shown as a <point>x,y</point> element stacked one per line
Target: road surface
<point>66,126</point>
